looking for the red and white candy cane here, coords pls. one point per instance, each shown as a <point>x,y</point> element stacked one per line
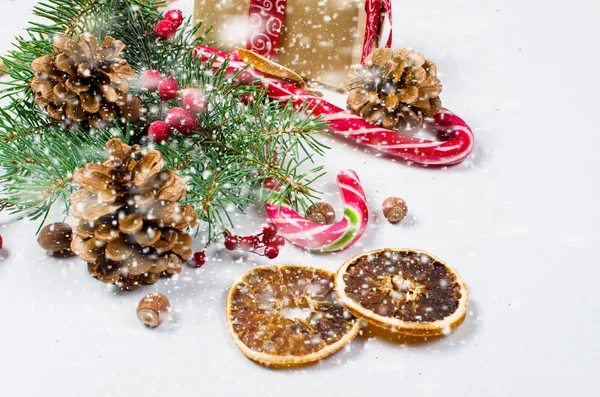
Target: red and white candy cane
<point>326,238</point>
<point>455,149</point>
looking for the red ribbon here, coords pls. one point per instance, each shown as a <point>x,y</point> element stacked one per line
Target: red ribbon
<point>265,20</point>
<point>376,10</point>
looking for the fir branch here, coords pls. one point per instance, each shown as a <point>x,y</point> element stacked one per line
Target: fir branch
<point>239,144</point>
<point>37,168</point>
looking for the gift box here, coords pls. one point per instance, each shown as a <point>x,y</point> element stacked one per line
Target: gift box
<point>318,39</point>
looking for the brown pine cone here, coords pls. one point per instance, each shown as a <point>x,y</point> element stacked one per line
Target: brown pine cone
<point>395,89</point>
<point>127,222</point>
<point>83,80</point>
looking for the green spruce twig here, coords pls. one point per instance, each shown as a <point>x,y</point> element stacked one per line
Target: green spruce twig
<point>237,147</point>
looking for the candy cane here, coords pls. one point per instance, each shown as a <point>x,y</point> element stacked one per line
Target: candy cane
<point>350,126</point>
<point>326,238</point>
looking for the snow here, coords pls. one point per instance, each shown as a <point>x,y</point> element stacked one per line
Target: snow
<point>516,219</point>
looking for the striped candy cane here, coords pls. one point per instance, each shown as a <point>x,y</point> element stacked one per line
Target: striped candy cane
<point>326,238</point>
<point>345,124</point>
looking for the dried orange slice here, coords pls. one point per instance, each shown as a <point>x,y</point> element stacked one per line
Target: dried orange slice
<point>257,320</point>
<point>402,290</point>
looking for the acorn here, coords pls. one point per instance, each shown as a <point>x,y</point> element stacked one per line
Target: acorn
<point>153,309</point>
<point>56,238</point>
<point>321,213</point>
<point>394,209</point>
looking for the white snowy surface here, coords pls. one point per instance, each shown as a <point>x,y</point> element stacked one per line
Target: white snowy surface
<point>519,220</point>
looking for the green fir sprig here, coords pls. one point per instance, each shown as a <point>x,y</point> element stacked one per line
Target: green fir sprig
<point>243,140</point>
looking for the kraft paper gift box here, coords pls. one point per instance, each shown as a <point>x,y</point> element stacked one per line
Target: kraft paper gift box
<point>320,39</point>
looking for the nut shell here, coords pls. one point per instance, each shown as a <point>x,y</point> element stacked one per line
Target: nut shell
<point>321,213</point>
<point>153,309</point>
<point>55,237</point>
<point>394,209</point>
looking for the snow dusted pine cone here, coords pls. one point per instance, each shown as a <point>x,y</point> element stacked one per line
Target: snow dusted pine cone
<point>395,89</point>
<point>127,222</point>
<point>83,80</point>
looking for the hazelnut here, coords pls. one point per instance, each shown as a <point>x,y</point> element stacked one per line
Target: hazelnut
<point>153,309</point>
<point>394,209</point>
<point>321,213</point>
<point>55,237</point>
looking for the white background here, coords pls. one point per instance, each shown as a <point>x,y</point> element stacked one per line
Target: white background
<point>518,219</point>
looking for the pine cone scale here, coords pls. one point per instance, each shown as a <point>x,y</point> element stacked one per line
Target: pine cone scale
<point>89,45</point>
<point>65,64</point>
<point>391,102</point>
<point>106,233</point>
<point>104,271</point>
<point>118,250</point>
<point>167,241</point>
<point>138,264</point>
<point>95,177</point>
<point>86,205</point>
<point>131,224</point>
<point>147,237</point>
<point>90,102</point>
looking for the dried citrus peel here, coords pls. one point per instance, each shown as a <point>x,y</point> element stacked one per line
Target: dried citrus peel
<point>401,290</point>
<point>269,67</point>
<point>256,315</point>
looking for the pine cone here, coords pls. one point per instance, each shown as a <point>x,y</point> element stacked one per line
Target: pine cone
<point>127,222</point>
<point>84,80</point>
<point>395,89</point>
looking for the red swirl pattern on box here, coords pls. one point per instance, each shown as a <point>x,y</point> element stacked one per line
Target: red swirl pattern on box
<point>266,19</point>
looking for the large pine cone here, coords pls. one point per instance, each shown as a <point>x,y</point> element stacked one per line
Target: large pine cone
<point>395,89</point>
<point>84,80</point>
<point>127,222</point>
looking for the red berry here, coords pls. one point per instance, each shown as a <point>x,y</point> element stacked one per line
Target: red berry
<point>247,243</point>
<point>165,29</point>
<point>180,120</point>
<point>199,258</point>
<point>231,242</point>
<point>270,230</point>
<point>256,241</point>
<point>266,239</point>
<point>175,117</point>
<point>247,99</point>
<point>159,131</point>
<point>167,89</point>
<point>190,124</point>
<point>150,79</point>
<point>278,241</point>
<point>245,78</point>
<point>271,251</point>
<point>193,101</point>
<point>175,16</point>
<point>1,242</point>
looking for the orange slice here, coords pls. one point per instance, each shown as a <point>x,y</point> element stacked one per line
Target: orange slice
<point>256,314</point>
<point>402,290</point>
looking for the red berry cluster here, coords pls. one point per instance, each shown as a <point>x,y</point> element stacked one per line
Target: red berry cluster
<point>167,28</point>
<point>268,239</point>
<point>1,242</point>
<point>181,119</point>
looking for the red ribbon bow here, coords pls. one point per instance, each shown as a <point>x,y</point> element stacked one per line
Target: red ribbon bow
<point>266,20</point>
